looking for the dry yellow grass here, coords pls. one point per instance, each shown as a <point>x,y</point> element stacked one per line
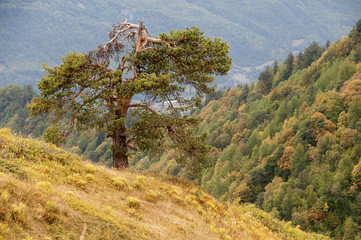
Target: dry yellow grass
<point>47,193</point>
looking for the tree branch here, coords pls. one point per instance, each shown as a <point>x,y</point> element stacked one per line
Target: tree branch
<point>132,148</point>
<point>134,105</point>
<point>131,139</point>
<point>130,26</point>
<point>72,121</point>
<point>72,98</point>
<point>171,104</point>
<point>113,47</point>
<point>157,40</point>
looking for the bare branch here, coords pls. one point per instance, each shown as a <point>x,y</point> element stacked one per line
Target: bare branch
<point>122,64</point>
<point>131,26</point>
<point>124,30</point>
<point>144,43</point>
<point>157,40</point>
<point>170,103</point>
<point>72,121</point>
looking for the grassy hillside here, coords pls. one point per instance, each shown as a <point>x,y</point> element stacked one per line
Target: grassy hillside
<point>47,193</point>
<point>257,31</point>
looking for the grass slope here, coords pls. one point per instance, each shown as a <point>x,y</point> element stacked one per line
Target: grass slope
<point>48,193</point>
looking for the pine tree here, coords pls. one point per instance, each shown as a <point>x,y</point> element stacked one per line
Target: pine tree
<point>92,94</point>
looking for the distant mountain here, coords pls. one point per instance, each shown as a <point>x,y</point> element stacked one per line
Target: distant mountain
<point>258,32</point>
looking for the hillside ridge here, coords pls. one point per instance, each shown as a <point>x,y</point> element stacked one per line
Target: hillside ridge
<point>257,32</point>
<point>48,193</point>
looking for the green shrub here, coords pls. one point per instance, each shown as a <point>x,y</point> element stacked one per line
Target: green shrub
<point>133,202</point>
<point>9,166</point>
<point>4,229</point>
<point>89,168</point>
<point>45,186</point>
<point>77,181</point>
<point>120,183</point>
<point>51,212</point>
<point>152,196</point>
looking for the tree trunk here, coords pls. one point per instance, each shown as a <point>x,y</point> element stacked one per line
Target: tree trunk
<point>120,151</point>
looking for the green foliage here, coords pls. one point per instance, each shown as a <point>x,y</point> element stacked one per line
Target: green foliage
<point>356,174</point>
<point>8,165</point>
<point>265,80</point>
<point>357,54</point>
<point>133,202</point>
<point>287,72</point>
<point>347,69</point>
<point>253,141</point>
<point>53,135</point>
<point>331,104</point>
<point>310,55</point>
<point>355,34</point>
<point>351,229</point>
<point>13,112</point>
<point>354,111</point>
<point>93,96</point>
<point>298,160</point>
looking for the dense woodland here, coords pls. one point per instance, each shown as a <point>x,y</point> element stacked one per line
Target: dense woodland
<point>290,143</point>
<point>14,114</point>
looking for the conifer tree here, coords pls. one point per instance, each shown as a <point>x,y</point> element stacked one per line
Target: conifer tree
<point>94,94</point>
<point>289,66</point>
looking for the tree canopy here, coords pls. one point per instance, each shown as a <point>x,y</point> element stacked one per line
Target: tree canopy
<point>147,75</point>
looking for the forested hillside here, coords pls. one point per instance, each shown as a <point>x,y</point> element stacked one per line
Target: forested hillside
<point>291,143</point>
<point>14,115</point>
<point>256,31</point>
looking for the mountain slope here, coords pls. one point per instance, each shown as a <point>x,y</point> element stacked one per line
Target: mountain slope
<point>257,31</point>
<point>291,143</point>
<point>47,193</point>
<point>292,146</point>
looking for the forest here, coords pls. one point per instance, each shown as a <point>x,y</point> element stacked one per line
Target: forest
<point>290,143</point>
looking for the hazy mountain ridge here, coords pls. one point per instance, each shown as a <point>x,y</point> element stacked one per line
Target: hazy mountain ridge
<point>257,31</point>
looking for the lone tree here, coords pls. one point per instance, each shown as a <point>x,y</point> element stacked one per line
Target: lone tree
<point>93,93</point>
